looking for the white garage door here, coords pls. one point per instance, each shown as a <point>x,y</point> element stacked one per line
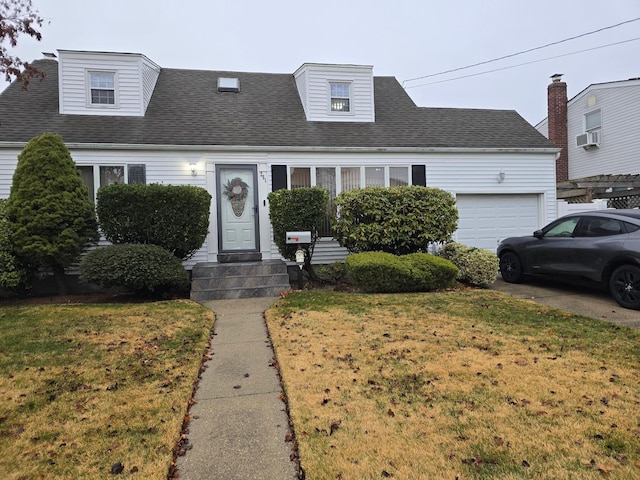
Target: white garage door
<point>484,220</point>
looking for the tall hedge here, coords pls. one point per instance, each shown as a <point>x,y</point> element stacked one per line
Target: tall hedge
<point>300,209</point>
<point>12,275</point>
<point>50,214</point>
<point>174,217</point>
<point>397,220</point>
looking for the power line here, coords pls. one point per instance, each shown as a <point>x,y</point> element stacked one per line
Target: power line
<point>522,64</point>
<point>519,53</point>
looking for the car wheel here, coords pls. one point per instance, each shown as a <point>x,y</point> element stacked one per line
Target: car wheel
<point>511,268</point>
<point>624,285</point>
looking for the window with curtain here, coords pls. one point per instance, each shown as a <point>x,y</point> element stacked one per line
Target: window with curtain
<point>300,177</point>
<point>326,178</point>
<point>398,176</point>
<point>110,174</point>
<point>350,178</point>
<point>374,176</point>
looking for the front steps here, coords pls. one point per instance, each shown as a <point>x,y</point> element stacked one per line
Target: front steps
<point>216,281</point>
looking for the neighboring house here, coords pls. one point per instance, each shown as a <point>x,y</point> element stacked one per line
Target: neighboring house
<point>597,131</point>
<point>126,119</point>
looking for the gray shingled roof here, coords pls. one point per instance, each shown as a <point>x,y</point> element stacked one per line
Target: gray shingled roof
<point>186,109</point>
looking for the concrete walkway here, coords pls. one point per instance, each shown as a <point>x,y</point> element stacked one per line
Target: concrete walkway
<point>239,423</point>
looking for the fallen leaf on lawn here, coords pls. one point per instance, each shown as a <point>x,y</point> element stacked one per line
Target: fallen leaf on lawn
<point>117,468</point>
<point>606,468</point>
<point>334,426</point>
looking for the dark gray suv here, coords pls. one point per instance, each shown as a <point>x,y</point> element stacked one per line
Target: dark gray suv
<point>602,246</point>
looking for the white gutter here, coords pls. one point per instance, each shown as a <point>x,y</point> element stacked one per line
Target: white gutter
<point>241,148</point>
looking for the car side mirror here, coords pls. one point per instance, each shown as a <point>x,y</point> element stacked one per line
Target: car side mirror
<point>538,234</point>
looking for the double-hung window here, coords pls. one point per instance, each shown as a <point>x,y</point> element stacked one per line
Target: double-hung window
<point>102,88</point>
<point>102,175</point>
<point>340,97</point>
<point>593,125</point>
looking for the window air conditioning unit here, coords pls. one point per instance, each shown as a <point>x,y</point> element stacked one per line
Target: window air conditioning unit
<point>588,139</point>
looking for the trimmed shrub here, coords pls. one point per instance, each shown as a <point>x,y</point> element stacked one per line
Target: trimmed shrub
<point>135,267</point>
<point>385,272</point>
<point>398,220</point>
<point>49,212</point>
<point>333,273</point>
<point>300,209</point>
<point>379,272</point>
<point>174,217</point>
<point>12,275</point>
<point>478,266</point>
<point>431,272</point>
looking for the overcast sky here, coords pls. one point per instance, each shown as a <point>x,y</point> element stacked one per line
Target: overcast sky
<point>401,38</point>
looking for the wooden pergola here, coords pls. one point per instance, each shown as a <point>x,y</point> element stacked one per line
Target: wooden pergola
<point>610,187</point>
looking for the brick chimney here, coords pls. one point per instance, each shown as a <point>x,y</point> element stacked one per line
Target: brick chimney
<point>557,123</point>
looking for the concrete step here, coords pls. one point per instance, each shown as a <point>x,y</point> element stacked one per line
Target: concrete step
<point>216,281</point>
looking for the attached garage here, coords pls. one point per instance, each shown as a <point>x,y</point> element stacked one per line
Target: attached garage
<point>484,220</point>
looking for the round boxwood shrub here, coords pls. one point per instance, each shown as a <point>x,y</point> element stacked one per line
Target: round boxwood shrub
<point>384,272</point>
<point>431,272</point>
<point>477,266</point>
<point>135,267</point>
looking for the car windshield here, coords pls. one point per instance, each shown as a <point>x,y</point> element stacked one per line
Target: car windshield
<point>563,228</point>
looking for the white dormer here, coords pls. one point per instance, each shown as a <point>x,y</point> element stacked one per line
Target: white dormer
<point>336,93</point>
<point>101,83</point>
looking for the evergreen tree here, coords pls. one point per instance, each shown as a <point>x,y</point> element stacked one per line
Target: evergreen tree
<point>51,216</point>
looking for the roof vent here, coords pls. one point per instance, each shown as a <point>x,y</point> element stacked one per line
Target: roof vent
<point>228,84</point>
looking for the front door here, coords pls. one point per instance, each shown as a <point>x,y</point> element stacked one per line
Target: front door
<point>237,201</point>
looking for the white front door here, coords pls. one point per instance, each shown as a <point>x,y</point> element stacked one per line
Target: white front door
<point>237,208</point>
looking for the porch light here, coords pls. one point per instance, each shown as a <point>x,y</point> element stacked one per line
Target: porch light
<point>501,176</point>
<point>194,168</point>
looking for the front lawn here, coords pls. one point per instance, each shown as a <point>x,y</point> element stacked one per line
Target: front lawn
<point>88,391</point>
<point>463,384</point>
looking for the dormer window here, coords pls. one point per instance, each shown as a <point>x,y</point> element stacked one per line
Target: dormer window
<point>102,88</point>
<point>340,97</point>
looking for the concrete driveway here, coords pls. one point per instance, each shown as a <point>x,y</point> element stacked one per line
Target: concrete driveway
<point>584,300</point>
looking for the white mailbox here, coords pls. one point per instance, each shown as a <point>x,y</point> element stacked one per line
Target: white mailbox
<point>298,237</point>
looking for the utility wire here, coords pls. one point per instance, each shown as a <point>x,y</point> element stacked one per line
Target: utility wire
<point>521,64</point>
<point>519,53</point>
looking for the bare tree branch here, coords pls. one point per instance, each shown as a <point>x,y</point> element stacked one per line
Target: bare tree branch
<point>18,17</point>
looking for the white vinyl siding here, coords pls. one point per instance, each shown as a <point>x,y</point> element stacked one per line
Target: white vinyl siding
<point>314,87</point>
<point>458,173</point>
<point>619,149</point>
<point>133,87</point>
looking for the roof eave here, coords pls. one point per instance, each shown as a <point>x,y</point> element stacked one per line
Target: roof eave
<point>263,148</point>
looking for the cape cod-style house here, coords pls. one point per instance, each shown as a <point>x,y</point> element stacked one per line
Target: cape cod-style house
<point>126,119</point>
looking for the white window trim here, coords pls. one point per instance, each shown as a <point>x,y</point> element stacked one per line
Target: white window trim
<point>116,94</point>
<point>361,167</point>
<point>340,82</point>
<point>96,174</point>
<point>584,120</point>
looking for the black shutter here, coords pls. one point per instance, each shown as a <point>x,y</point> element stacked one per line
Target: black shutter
<point>418,175</point>
<point>278,177</point>
<point>137,173</point>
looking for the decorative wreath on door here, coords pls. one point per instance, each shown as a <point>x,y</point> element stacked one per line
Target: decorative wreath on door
<point>236,191</point>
